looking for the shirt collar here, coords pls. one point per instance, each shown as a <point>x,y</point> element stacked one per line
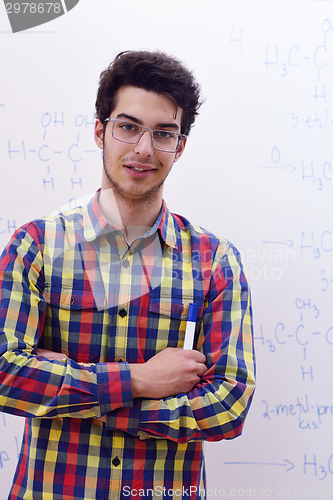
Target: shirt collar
<point>94,222</point>
<point>93,219</point>
<point>167,227</point>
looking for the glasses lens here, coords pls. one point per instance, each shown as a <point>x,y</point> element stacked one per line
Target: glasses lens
<point>165,140</point>
<point>126,131</point>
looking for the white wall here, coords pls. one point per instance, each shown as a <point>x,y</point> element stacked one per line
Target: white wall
<point>258,170</point>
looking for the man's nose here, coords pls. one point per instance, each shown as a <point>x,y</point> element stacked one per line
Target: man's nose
<point>145,144</point>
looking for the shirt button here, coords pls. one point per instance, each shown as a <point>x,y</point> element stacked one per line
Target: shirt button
<point>122,313</point>
<point>116,461</point>
<point>126,263</point>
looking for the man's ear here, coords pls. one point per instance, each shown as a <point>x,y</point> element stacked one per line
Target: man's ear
<point>181,149</point>
<point>98,133</point>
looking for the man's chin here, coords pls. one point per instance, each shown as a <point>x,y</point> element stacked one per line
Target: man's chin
<point>137,196</point>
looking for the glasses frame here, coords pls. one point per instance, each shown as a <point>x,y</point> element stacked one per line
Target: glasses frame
<point>181,137</point>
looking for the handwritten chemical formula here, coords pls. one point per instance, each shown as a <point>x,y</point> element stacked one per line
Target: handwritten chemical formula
<point>51,155</point>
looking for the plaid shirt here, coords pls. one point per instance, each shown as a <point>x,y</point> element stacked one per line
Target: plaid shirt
<point>71,284</point>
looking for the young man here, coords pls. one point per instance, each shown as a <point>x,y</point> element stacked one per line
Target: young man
<point>94,313</point>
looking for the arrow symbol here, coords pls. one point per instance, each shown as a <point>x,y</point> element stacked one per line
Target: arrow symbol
<point>291,168</point>
<point>286,463</point>
<point>287,242</point>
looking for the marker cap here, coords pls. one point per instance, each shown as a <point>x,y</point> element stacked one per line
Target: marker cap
<point>192,312</point>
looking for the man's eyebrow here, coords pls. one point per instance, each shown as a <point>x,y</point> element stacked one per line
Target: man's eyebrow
<point>167,125</point>
<point>129,117</point>
<point>137,120</point>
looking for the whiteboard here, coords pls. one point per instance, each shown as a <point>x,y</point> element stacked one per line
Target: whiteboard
<point>257,170</point>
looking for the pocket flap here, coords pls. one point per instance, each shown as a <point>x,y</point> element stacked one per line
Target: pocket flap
<point>176,309</point>
<point>68,297</point>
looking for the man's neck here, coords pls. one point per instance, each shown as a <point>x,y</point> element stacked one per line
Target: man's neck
<point>133,219</point>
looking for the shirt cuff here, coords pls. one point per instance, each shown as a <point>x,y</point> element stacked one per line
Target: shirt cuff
<point>125,419</point>
<point>114,387</point>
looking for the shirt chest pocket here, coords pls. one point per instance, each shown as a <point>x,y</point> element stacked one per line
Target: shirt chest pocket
<point>73,324</point>
<point>167,322</point>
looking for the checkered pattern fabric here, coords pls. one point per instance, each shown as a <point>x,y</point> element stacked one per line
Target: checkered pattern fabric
<point>71,284</point>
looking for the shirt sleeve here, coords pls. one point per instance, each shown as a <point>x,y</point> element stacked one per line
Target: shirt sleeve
<point>31,385</point>
<point>216,408</point>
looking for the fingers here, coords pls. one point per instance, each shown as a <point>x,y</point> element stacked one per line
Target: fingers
<point>193,368</point>
<point>198,356</point>
<point>201,369</point>
<point>170,372</point>
<point>51,354</point>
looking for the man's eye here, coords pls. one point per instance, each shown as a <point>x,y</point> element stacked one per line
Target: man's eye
<point>128,127</point>
<point>164,134</point>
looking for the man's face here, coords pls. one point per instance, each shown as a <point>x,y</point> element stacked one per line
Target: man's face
<point>136,172</point>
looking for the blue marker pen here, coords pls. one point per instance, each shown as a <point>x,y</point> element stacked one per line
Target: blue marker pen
<point>190,326</point>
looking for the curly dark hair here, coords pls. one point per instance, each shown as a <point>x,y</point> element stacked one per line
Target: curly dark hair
<point>152,71</point>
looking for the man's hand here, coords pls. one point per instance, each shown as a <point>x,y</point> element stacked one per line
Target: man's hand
<point>170,372</point>
<point>51,355</point>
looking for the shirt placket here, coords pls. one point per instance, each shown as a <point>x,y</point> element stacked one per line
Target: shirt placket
<point>124,298</point>
<point>116,465</point>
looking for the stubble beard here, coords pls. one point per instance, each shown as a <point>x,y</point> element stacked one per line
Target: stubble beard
<point>132,199</point>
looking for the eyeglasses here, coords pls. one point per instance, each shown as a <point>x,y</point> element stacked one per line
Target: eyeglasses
<point>162,140</point>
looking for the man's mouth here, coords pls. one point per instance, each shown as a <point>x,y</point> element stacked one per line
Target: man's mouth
<point>140,169</point>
